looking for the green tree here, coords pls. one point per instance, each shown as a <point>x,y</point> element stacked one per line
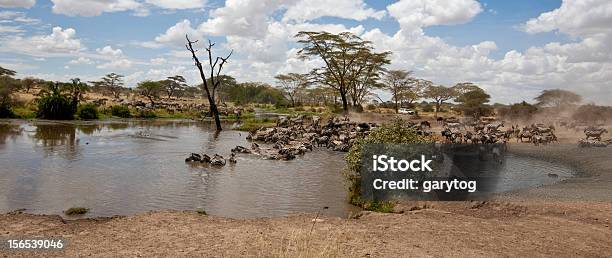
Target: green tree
<point>111,83</point>
<point>472,98</point>
<point>346,57</point>
<point>292,84</point>
<point>29,82</point>
<point>439,94</point>
<point>76,90</point>
<point>557,98</point>
<point>174,84</point>
<point>54,104</point>
<point>151,89</point>
<point>8,85</point>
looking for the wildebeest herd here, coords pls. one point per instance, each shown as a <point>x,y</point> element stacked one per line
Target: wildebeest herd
<point>298,135</point>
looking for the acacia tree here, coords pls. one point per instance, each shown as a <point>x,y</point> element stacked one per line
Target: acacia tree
<point>111,83</point>
<point>150,89</point>
<point>366,75</point>
<point>174,84</point>
<point>440,94</point>
<point>343,55</point>
<point>28,83</point>
<point>292,84</point>
<point>216,66</point>
<point>557,98</point>
<point>472,98</point>
<point>395,81</point>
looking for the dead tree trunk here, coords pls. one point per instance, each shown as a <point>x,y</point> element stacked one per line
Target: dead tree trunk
<point>215,71</point>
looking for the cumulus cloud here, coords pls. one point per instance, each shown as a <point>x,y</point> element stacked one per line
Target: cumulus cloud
<point>306,10</point>
<point>248,18</point>
<point>576,18</point>
<point>413,14</point>
<point>175,35</point>
<point>17,3</point>
<point>109,51</point>
<point>59,42</point>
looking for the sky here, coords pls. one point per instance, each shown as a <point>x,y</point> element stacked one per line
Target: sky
<point>512,49</point>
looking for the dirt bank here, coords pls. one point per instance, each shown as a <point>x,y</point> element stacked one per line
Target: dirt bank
<point>571,218</point>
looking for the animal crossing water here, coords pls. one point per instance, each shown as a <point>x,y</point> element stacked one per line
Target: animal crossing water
<point>122,168</point>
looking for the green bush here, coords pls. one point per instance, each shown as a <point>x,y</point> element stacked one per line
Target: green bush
<point>87,111</point>
<point>6,111</point>
<point>56,107</point>
<point>121,111</point>
<point>147,114</point>
<point>371,107</point>
<point>358,108</point>
<point>395,133</point>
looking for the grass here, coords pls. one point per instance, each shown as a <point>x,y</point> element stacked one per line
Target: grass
<point>76,211</point>
<point>24,112</point>
<point>252,124</point>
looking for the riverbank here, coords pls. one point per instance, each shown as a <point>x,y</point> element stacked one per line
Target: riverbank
<point>571,218</point>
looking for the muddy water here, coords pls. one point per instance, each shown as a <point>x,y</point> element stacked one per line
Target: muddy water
<point>122,168</point>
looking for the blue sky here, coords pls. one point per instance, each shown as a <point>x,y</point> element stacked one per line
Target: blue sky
<point>488,42</point>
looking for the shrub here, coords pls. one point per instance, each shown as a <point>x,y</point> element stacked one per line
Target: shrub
<point>76,211</point>
<point>371,107</point>
<point>428,108</point>
<point>6,111</point>
<point>87,111</point>
<point>147,114</point>
<point>121,111</point>
<point>56,107</point>
<point>358,108</point>
<point>395,133</point>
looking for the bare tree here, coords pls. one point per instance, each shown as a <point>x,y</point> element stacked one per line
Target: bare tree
<point>210,87</point>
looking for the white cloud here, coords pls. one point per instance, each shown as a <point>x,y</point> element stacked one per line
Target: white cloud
<point>17,3</point>
<point>175,35</point>
<point>178,4</point>
<point>158,61</point>
<point>17,17</point>
<point>109,51</point>
<point>121,63</point>
<point>81,60</point>
<point>247,18</point>
<point>305,10</point>
<point>59,42</point>
<point>412,14</point>
<point>93,7</point>
<point>576,18</point>
<point>10,29</point>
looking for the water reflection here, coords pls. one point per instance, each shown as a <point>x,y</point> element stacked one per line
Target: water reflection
<point>130,167</point>
<point>9,131</point>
